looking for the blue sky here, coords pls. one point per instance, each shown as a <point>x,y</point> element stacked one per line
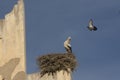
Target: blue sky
<point>50,22</point>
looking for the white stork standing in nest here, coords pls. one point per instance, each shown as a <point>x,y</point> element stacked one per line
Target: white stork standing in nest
<point>67,45</point>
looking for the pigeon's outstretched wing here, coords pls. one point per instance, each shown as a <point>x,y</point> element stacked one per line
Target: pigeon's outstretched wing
<point>95,28</point>
<point>90,23</point>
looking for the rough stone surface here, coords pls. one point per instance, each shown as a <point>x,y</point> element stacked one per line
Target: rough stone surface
<point>60,75</point>
<point>12,44</point>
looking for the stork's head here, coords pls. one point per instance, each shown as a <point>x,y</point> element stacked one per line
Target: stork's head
<point>69,38</point>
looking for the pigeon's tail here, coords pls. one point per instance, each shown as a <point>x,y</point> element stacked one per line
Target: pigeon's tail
<point>95,28</point>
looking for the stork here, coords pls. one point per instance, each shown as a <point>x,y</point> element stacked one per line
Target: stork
<point>67,45</point>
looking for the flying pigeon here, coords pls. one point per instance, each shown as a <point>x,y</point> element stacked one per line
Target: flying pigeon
<point>67,45</point>
<point>91,26</point>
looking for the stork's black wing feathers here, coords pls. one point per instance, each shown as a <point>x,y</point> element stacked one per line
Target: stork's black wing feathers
<point>70,49</point>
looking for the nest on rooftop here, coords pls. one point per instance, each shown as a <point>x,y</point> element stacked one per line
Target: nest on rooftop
<point>51,63</point>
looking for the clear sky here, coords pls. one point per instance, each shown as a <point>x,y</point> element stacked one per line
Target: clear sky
<point>50,22</point>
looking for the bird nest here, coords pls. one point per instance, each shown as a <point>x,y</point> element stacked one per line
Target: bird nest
<point>51,63</point>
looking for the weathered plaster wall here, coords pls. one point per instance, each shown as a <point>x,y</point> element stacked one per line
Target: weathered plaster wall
<point>60,75</point>
<point>12,44</point>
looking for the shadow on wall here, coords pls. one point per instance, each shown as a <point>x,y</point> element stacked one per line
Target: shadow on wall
<point>7,70</point>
